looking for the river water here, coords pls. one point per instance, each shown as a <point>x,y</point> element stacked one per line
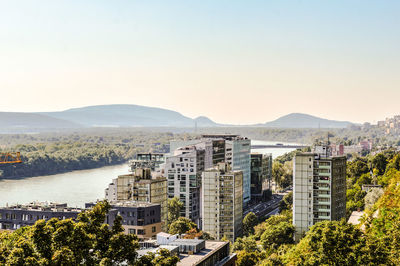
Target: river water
<point>77,187</point>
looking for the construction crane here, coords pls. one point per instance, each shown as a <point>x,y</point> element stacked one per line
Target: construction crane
<point>10,157</point>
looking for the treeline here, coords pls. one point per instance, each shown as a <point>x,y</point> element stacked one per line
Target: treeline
<point>45,154</point>
<point>347,136</point>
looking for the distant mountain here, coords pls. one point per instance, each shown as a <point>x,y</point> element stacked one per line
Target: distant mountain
<point>203,121</point>
<point>125,115</point>
<point>129,115</point>
<point>25,121</point>
<point>298,120</point>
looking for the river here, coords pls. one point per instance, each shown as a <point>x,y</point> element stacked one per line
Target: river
<point>77,187</point>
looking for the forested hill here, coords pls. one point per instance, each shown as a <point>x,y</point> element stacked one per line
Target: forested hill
<point>24,121</point>
<point>128,115</point>
<point>297,120</point>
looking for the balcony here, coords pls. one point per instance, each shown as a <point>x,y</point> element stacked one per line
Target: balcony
<point>323,196</point>
<point>324,174</point>
<point>324,167</point>
<point>321,209</point>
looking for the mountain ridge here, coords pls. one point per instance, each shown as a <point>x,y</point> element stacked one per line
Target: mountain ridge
<point>301,120</point>
<point>130,115</point>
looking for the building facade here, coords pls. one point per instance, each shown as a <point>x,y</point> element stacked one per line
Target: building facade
<point>319,189</point>
<point>17,216</point>
<point>140,218</point>
<point>222,202</point>
<point>237,154</point>
<point>140,186</point>
<point>261,173</point>
<point>183,171</point>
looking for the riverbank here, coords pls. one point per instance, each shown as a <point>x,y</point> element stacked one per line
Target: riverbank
<point>55,172</point>
<point>75,188</point>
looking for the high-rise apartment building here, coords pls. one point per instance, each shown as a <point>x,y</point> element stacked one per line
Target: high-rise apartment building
<point>183,171</point>
<point>222,202</point>
<point>319,189</point>
<point>261,173</point>
<point>140,186</point>
<point>237,154</point>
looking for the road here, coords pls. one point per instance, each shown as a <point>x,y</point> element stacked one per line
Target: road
<point>267,208</point>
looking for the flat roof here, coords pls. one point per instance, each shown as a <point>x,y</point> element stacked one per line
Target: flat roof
<point>128,203</point>
<point>182,241</point>
<point>211,248</point>
<point>142,252</point>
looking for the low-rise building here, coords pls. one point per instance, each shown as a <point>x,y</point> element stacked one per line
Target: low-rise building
<point>140,218</point>
<point>17,216</point>
<point>140,186</point>
<point>193,252</point>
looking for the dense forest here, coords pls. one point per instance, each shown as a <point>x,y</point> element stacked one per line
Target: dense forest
<point>44,154</point>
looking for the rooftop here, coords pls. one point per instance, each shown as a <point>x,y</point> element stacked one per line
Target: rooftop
<point>211,248</point>
<point>223,136</point>
<point>43,206</point>
<point>127,203</point>
<point>142,252</point>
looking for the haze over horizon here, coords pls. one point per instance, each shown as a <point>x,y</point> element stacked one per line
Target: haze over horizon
<point>234,62</point>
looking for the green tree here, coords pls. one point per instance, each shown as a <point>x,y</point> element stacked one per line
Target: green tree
<point>379,162</point>
<point>357,167</point>
<point>329,243</point>
<point>174,208</point>
<point>282,173</point>
<point>245,258</point>
<point>277,235</point>
<point>287,202</point>
<point>249,221</point>
<point>271,221</point>
<point>249,244</point>
<point>163,257</point>
<point>181,226</point>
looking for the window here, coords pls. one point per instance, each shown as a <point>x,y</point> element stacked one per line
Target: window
<point>132,231</point>
<point>153,229</point>
<point>141,232</point>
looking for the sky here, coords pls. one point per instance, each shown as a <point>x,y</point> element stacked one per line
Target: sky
<point>238,62</point>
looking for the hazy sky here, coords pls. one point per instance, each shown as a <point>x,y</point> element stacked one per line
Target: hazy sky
<point>233,61</point>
